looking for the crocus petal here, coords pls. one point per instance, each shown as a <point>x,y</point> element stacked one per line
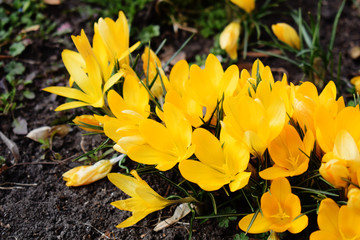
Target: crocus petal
<point>259,225</point>
<point>345,146</point>
<point>206,177</point>
<point>69,93</point>
<point>299,224</point>
<point>241,180</point>
<point>208,148</point>
<point>148,155</point>
<point>127,184</point>
<point>246,5</point>
<point>274,172</point>
<point>280,188</point>
<point>71,105</point>
<point>323,235</point>
<point>328,216</point>
<point>349,223</point>
<point>157,135</point>
<point>112,80</point>
<point>131,220</point>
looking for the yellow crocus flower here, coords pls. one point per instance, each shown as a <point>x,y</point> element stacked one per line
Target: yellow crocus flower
<point>83,175</point>
<point>114,38</point>
<point>329,124</point>
<point>254,122</point>
<point>166,146</point>
<point>336,223</point>
<point>229,38</point>
<point>178,95</point>
<point>144,200</point>
<point>129,111</point>
<point>342,162</point>
<point>287,34</point>
<point>289,153</point>
<point>91,84</point>
<point>280,211</point>
<point>209,85</point>
<point>217,165</point>
<point>247,5</point>
<point>312,110</point>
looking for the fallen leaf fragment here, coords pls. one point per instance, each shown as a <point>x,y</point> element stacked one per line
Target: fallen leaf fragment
<point>181,211</point>
<point>19,126</point>
<point>12,146</point>
<point>39,134</point>
<point>32,28</point>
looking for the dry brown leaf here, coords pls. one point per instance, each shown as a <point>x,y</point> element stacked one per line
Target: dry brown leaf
<point>181,211</point>
<point>52,2</point>
<point>32,28</point>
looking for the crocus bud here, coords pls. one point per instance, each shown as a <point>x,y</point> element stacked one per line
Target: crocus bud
<point>246,5</point>
<point>88,123</point>
<point>83,175</point>
<point>229,38</point>
<point>356,82</point>
<point>287,34</point>
<point>333,171</point>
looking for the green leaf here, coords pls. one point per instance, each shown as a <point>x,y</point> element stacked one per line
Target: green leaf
<point>147,33</point>
<point>241,236</point>
<point>14,68</point>
<point>16,48</point>
<point>28,94</point>
<point>224,221</point>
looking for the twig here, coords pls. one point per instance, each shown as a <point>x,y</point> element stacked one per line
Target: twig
<point>102,234</point>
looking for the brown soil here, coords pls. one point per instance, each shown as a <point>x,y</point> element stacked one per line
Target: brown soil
<point>34,201</point>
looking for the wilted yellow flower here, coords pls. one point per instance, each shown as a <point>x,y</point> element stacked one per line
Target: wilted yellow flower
<point>83,175</point>
<point>229,38</point>
<point>280,211</point>
<point>217,165</point>
<point>88,123</point>
<point>287,34</point>
<point>247,5</point>
<point>289,153</point>
<point>336,223</point>
<point>165,146</point>
<point>144,200</point>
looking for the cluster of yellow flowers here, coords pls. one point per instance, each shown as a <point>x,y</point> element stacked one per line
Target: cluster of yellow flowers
<point>218,127</point>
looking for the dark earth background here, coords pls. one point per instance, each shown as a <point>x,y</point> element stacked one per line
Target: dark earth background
<point>34,201</point>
